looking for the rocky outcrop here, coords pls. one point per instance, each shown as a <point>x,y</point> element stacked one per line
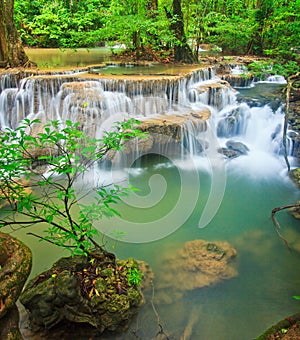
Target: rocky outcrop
<point>197,264</point>
<point>173,125</point>
<point>97,290</point>
<point>9,325</point>
<point>234,149</point>
<point>15,266</point>
<point>294,114</point>
<point>165,130</point>
<point>295,176</point>
<point>212,93</point>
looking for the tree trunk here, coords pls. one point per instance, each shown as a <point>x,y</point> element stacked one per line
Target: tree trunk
<point>182,51</point>
<point>12,53</point>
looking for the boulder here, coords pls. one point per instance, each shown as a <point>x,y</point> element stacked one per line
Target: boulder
<point>229,153</point>
<point>295,176</point>
<point>241,148</point>
<point>15,266</point>
<point>95,290</point>
<point>234,149</point>
<point>9,329</point>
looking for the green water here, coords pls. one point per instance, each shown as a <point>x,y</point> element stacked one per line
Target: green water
<point>268,275</point>
<point>239,308</point>
<point>53,57</point>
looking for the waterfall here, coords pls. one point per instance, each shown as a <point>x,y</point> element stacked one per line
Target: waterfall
<point>98,103</point>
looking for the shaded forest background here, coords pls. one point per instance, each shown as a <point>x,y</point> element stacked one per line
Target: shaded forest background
<point>237,26</point>
<point>172,29</point>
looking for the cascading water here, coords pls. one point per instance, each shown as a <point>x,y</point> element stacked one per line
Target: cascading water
<point>242,134</point>
<point>97,104</point>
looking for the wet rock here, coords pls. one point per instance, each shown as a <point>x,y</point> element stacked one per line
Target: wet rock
<point>214,92</point>
<point>229,153</point>
<point>91,290</point>
<point>237,146</point>
<point>171,125</point>
<point>294,116</point>
<point>239,80</point>
<point>167,130</point>
<point>234,149</point>
<point>295,176</point>
<point>15,266</point>
<point>234,122</point>
<point>197,264</point>
<point>295,211</point>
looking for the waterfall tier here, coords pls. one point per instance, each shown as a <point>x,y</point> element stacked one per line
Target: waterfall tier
<point>176,107</point>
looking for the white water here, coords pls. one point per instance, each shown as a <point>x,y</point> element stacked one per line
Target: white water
<point>235,309</point>
<point>98,104</point>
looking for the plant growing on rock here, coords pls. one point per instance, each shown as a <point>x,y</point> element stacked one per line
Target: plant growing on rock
<point>32,196</point>
<point>39,169</point>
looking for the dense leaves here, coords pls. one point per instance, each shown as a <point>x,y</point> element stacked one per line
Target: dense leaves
<point>30,195</point>
<point>268,27</point>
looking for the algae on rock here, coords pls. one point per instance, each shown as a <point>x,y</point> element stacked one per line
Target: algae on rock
<point>94,290</point>
<point>15,264</point>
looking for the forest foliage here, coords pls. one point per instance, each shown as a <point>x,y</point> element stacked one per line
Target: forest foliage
<point>261,27</point>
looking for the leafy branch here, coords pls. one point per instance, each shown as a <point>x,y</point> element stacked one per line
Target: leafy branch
<point>39,168</point>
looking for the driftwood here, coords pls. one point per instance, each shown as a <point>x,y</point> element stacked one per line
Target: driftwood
<point>276,223</point>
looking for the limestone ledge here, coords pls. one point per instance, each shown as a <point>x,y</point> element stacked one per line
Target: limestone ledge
<point>171,125</point>
<point>166,130</point>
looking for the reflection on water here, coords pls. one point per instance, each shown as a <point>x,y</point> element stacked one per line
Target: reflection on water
<point>53,57</point>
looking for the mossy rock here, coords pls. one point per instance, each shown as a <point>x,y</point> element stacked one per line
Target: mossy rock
<point>15,261</point>
<point>9,325</point>
<point>288,328</point>
<point>295,176</point>
<point>90,290</point>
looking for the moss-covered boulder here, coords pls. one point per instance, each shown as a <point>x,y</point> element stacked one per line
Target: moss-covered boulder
<point>98,290</point>
<point>286,329</point>
<point>295,176</point>
<point>9,325</point>
<point>15,266</point>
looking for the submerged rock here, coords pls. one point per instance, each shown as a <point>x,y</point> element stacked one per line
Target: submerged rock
<point>93,290</point>
<point>197,264</point>
<point>15,266</point>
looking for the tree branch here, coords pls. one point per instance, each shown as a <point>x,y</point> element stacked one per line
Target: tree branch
<point>276,223</point>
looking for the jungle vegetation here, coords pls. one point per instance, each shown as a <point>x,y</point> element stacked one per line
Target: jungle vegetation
<point>172,29</point>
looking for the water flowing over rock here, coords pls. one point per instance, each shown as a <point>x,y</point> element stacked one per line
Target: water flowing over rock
<point>15,266</point>
<point>97,102</point>
<point>217,93</point>
<point>233,122</point>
